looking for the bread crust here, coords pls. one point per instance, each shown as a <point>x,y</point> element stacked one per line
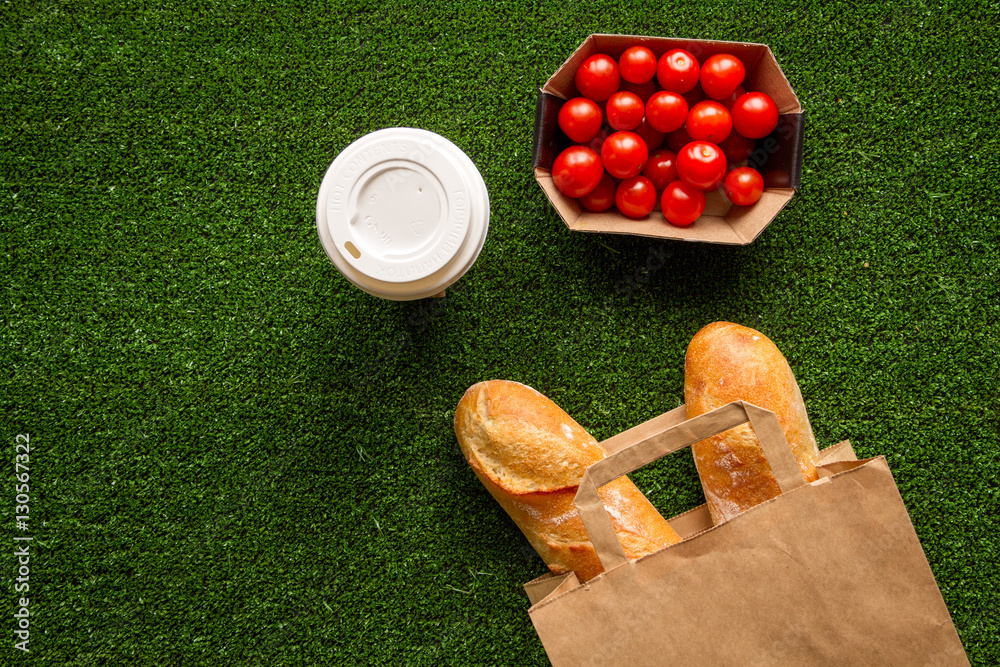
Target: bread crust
<point>726,362</point>
<point>530,455</point>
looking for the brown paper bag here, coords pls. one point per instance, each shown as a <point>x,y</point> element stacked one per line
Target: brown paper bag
<point>827,573</point>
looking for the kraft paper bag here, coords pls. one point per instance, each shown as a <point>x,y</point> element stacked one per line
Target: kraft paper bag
<point>827,573</point>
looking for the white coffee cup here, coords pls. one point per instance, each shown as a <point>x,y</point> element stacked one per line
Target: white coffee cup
<point>403,213</point>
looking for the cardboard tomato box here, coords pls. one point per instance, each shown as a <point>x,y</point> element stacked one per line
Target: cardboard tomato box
<point>778,157</point>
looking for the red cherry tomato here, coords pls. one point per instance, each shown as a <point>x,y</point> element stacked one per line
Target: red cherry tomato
<point>755,115</point>
<point>661,168</point>
<point>744,186</point>
<point>682,204</point>
<point>624,154</point>
<point>666,111</point>
<point>602,197</point>
<point>701,164</point>
<point>577,171</point>
<point>580,119</point>
<point>649,135</point>
<point>643,90</point>
<point>709,121</point>
<point>636,197</point>
<point>737,147</point>
<point>678,139</point>
<point>729,101</point>
<point>597,78</point>
<point>637,64</point>
<point>720,74</point>
<point>677,71</point>
<point>625,110</point>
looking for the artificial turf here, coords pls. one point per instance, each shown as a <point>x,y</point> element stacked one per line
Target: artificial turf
<point>239,458</point>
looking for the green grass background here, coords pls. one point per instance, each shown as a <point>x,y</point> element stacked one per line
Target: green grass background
<point>239,458</point>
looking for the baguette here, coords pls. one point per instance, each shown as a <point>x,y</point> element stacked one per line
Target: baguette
<point>530,456</point>
<point>726,362</point>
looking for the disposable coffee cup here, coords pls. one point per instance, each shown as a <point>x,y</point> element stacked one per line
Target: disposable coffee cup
<point>402,213</point>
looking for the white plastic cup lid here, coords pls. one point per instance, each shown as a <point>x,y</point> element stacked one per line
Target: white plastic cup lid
<point>402,213</point>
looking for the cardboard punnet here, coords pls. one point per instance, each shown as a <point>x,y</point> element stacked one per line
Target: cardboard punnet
<point>828,572</point>
<point>778,156</point>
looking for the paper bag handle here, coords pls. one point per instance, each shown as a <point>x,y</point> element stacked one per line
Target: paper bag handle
<point>629,459</point>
